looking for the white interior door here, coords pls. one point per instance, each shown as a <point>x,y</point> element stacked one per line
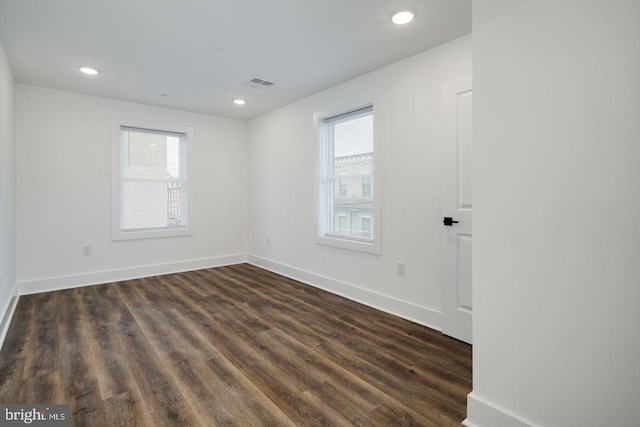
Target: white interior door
<point>457,204</point>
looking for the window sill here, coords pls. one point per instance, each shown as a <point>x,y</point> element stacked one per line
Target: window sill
<point>351,245</point>
<point>150,234</point>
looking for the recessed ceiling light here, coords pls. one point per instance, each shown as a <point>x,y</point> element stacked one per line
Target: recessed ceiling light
<point>90,71</point>
<point>239,101</point>
<point>403,16</point>
<point>217,48</point>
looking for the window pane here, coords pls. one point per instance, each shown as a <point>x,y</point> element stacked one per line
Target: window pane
<point>150,192</point>
<point>347,214</point>
<point>148,155</point>
<point>350,187</point>
<point>151,205</point>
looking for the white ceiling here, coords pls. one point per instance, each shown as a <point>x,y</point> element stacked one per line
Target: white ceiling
<point>200,52</point>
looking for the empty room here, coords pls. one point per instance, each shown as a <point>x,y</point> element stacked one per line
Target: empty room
<point>305,213</point>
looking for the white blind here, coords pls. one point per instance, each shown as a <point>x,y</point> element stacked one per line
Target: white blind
<point>352,133</point>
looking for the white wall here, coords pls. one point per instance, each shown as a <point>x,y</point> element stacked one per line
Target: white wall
<point>282,147</point>
<point>7,189</point>
<point>63,192</point>
<point>557,213</point>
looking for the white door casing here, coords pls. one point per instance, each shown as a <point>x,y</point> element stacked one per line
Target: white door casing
<point>457,204</point>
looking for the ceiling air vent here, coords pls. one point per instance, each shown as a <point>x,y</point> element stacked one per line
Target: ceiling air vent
<point>259,84</point>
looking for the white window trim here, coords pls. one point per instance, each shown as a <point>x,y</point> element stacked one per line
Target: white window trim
<point>116,233</point>
<point>370,247</point>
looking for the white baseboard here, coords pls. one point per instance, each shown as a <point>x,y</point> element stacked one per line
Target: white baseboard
<point>482,413</point>
<point>421,315</point>
<point>5,320</point>
<point>99,277</point>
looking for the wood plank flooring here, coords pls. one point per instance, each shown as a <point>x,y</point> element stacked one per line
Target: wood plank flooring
<point>230,346</point>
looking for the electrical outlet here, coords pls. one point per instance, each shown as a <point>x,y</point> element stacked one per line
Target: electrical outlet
<point>400,268</point>
<point>268,241</point>
<point>86,250</point>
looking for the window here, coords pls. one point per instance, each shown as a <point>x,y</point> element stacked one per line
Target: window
<point>366,186</point>
<point>150,187</point>
<point>350,154</point>
<point>343,188</point>
<point>347,164</point>
<point>342,224</point>
<point>366,226</point>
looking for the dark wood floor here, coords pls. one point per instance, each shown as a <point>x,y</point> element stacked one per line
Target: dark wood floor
<point>228,346</point>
